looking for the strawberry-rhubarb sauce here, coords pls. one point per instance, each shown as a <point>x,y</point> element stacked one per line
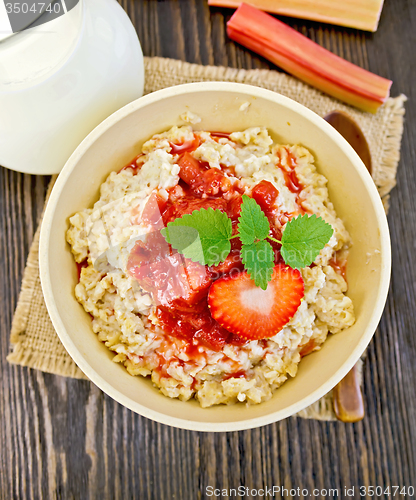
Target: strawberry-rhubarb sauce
<point>156,309</point>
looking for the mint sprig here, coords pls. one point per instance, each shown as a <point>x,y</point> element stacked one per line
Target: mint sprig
<point>258,260</point>
<point>253,225</point>
<point>303,238</point>
<point>204,236</point>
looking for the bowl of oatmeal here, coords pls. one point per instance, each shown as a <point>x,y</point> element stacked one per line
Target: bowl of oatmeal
<point>196,344</point>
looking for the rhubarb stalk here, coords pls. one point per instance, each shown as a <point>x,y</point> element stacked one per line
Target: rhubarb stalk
<point>361,14</point>
<point>307,60</point>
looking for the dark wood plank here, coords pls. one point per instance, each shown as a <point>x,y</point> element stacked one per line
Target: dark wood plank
<point>62,438</point>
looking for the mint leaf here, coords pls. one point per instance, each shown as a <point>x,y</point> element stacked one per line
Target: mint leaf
<point>252,224</point>
<point>203,236</point>
<point>303,239</point>
<point>258,260</point>
<point>181,237</point>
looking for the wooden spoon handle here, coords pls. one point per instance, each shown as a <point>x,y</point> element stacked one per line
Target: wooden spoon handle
<point>348,398</point>
<point>352,133</point>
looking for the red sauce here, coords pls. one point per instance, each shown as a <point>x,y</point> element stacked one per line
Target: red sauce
<point>239,374</point>
<point>80,267</point>
<point>291,179</point>
<point>219,135</point>
<point>307,348</point>
<point>265,195</point>
<point>197,328</point>
<point>185,146</point>
<point>339,266</point>
<point>152,212</point>
<point>134,165</point>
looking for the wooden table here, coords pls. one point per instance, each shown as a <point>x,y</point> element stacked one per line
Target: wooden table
<point>63,438</point>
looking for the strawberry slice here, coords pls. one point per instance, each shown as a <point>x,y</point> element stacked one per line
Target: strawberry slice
<point>244,309</point>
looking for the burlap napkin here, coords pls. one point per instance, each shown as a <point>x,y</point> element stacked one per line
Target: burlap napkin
<point>33,338</point>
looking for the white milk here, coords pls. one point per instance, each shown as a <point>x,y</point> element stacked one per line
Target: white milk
<point>60,79</point>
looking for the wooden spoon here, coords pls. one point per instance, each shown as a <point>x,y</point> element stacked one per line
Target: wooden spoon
<point>347,396</point>
<point>351,131</point>
<point>348,399</point>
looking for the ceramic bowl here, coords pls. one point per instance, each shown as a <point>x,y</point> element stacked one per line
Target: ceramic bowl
<point>115,142</point>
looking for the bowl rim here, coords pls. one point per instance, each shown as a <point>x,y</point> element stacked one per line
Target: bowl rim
<point>251,91</point>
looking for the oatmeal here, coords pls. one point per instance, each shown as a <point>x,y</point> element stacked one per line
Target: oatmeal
<point>149,304</point>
